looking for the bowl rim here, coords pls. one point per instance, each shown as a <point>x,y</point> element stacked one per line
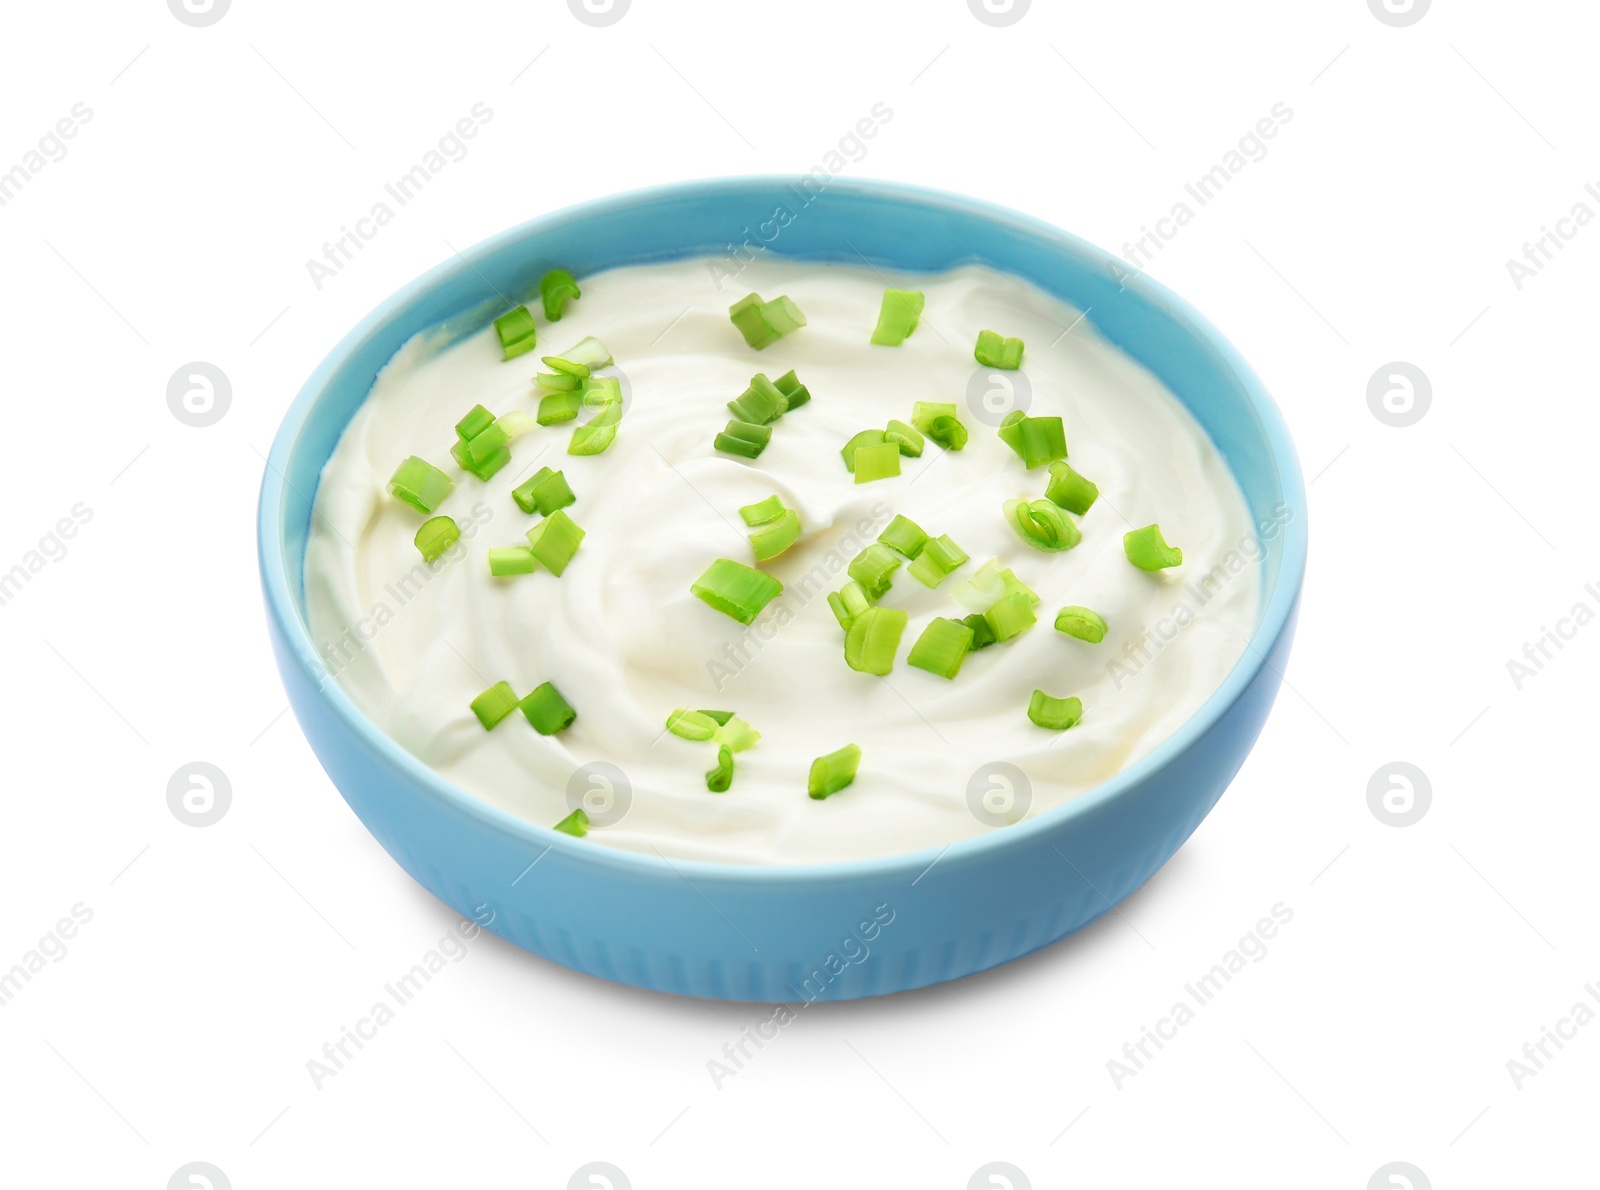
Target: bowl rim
<point>1274,615</point>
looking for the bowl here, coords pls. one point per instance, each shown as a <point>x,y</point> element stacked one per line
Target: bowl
<point>792,934</point>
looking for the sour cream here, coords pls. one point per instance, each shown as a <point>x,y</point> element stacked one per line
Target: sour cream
<point>623,639</point>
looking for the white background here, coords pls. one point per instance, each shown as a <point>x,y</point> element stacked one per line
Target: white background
<point>219,960</point>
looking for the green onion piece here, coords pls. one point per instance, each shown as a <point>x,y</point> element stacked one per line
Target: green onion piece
<point>477,420</point>
<point>585,356</point>
<point>1014,584</point>
<point>833,772</point>
<point>898,316</point>
<point>436,535</point>
<point>558,407</point>
<point>544,493</point>
<point>1037,440</point>
<point>691,725</point>
<point>771,540</point>
<point>940,556</point>
<point>513,560</point>
<point>982,635</point>
<point>1070,490</point>
<point>925,413</point>
<point>762,512</point>
<point>717,717</point>
<point>515,424</point>
<point>743,438</point>
<point>762,403</point>
<point>941,648</point>
<point>873,639</point>
<point>1012,615</point>
<point>948,432</point>
<point>1042,524</point>
<point>516,331</point>
<point>996,351</point>
<point>736,735</point>
<point>1148,550</point>
<point>849,602</point>
<point>1054,714</point>
<point>983,590</point>
<point>547,710</point>
<point>489,463</point>
<point>907,437</point>
<point>602,392</point>
<point>865,438</point>
<point>594,435</point>
<point>840,612</point>
<point>764,323</point>
<point>558,382</point>
<point>420,484</point>
<point>576,823</point>
<point>736,590</point>
<point>877,462</point>
<point>904,536</point>
<point>494,704</point>
<point>1082,623</point>
<point>782,315</point>
<point>555,540</point>
<point>484,445</point>
<point>793,391</point>
<point>556,289</point>
<point>874,569</point>
<point>719,778</point>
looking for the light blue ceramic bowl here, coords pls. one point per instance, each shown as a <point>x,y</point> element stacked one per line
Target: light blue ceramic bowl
<point>830,932</point>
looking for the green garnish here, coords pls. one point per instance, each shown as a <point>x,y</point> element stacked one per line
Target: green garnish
<point>904,536</point>
<point>1037,440</point>
<point>873,638</point>
<point>516,331</point>
<point>736,735</point>
<point>512,560</point>
<point>556,289</point>
<point>941,648</point>
<point>1010,616</point>
<point>1148,550</point>
<point>736,590</point>
<point>719,778</point>
<point>906,436</point>
<point>585,356</point>
<point>420,484</point>
<point>982,635</point>
<point>547,710</point>
<point>762,512</point>
<point>996,351</point>
<point>594,435</point>
<point>939,557</point>
<point>558,407</point>
<point>1054,714</point>
<point>833,772</point>
<point>762,403</point>
<point>793,391</point>
<point>494,704</point>
<point>558,382</point>
<point>848,602</point>
<point>743,438</point>
<point>516,423</point>
<point>544,493</point>
<point>576,823</point>
<point>477,420</point>
<point>764,323</point>
<point>1042,524</point>
<point>874,569</point>
<point>436,536</point>
<point>863,439</point>
<point>691,725</point>
<point>939,421</point>
<point>925,413</point>
<point>772,539</point>
<point>1069,489</point>
<point>554,541</point>
<point>717,717</point>
<point>482,444</point>
<point>898,316</point>
<point>877,462</point>
<point>1082,623</point>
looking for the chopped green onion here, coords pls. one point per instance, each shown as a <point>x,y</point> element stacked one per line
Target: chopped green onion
<point>1054,714</point>
<point>873,639</point>
<point>576,823</point>
<point>477,420</point>
<point>925,413</point>
<point>420,484</point>
<point>849,602</point>
<point>948,432</point>
<point>982,635</point>
<point>782,315</point>
<point>941,648</point>
<point>555,540</point>
<point>547,710</point>
<point>488,464</point>
<point>1082,623</point>
<point>833,772</point>
<point>904,536</point>
<point>1069,489</point>
<point>983,590</point>
<point>585,356</point>
<point>1148,550</point>
<point>594,435</point>
<point>939,557</point>
<point>719,778</point>
<point>743,438</point>
<point>691,725</point>
<point>558,407</point>
<point>793,391</point>
<point>516,331</point>
<point>736,735</point>
<point>1037,440</point>
<point>764,323</point>
<point>484,446</point>
<point>515,424</point>
<point>772,539</point>
<point>736,590</point>
<point>556,289</point>
<point>512,560</point>
<point>1042,524</point>
<point>558,382</point>
<point>1010,616</point>
<point>436,535</point>
<point>863,439</point>
<point>544,493</point>
<point>874,569</point>
<point>996,351</point>
<point>877,462</point>
<point>907,437</point>
<point>762,512</point>
<point>898,316</point>
<point>1013,584</point>
<point>494,704</point>
<point>717,717</point>
<point>601,392</point>
<point>762,403</point>
<point>840,612</point>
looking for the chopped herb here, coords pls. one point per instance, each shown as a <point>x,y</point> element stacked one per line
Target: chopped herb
<point>558,382</point>
<point>849,602</point>
<point>717,717</point>
<point>996,351</point>
<point>865,438</point>
<point>494,704</point>
<point>586,356</point>
<point>772,539</point>
<point>764,323</point>
<point>719,778</point>
<point>743,438</point>
<point>873,639</point>
<point>736,590</point>
<point>436,536</point>
<point>904,536</point>
<point>1042,524</point>
<point>1010,616</point>
<point>939,557</point>
<point>1054,714</point>
<point>833,772</point>
<point>1069,489</point>
<point>737,735</point>
<point>691,725</point>
<point>877,462</point>
<point>762,512</point>
<point>793,391</point>
<point>874,569</point>
<point>982,635</point>
<point>555,540</point>
<point>516,331</point>
<point>941,648</point>
<point>762,403</point>
<point>547,710</point>
<point>898,316</point>
<point>513,560</point>
<point>576,823</point>
<point>545,492</point>
<point>558,407</point>
<point>1037,440</point>
<point>420,484</point>
<point>1148,550</point>
<point>556,289</point>
<point>907,437</point>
